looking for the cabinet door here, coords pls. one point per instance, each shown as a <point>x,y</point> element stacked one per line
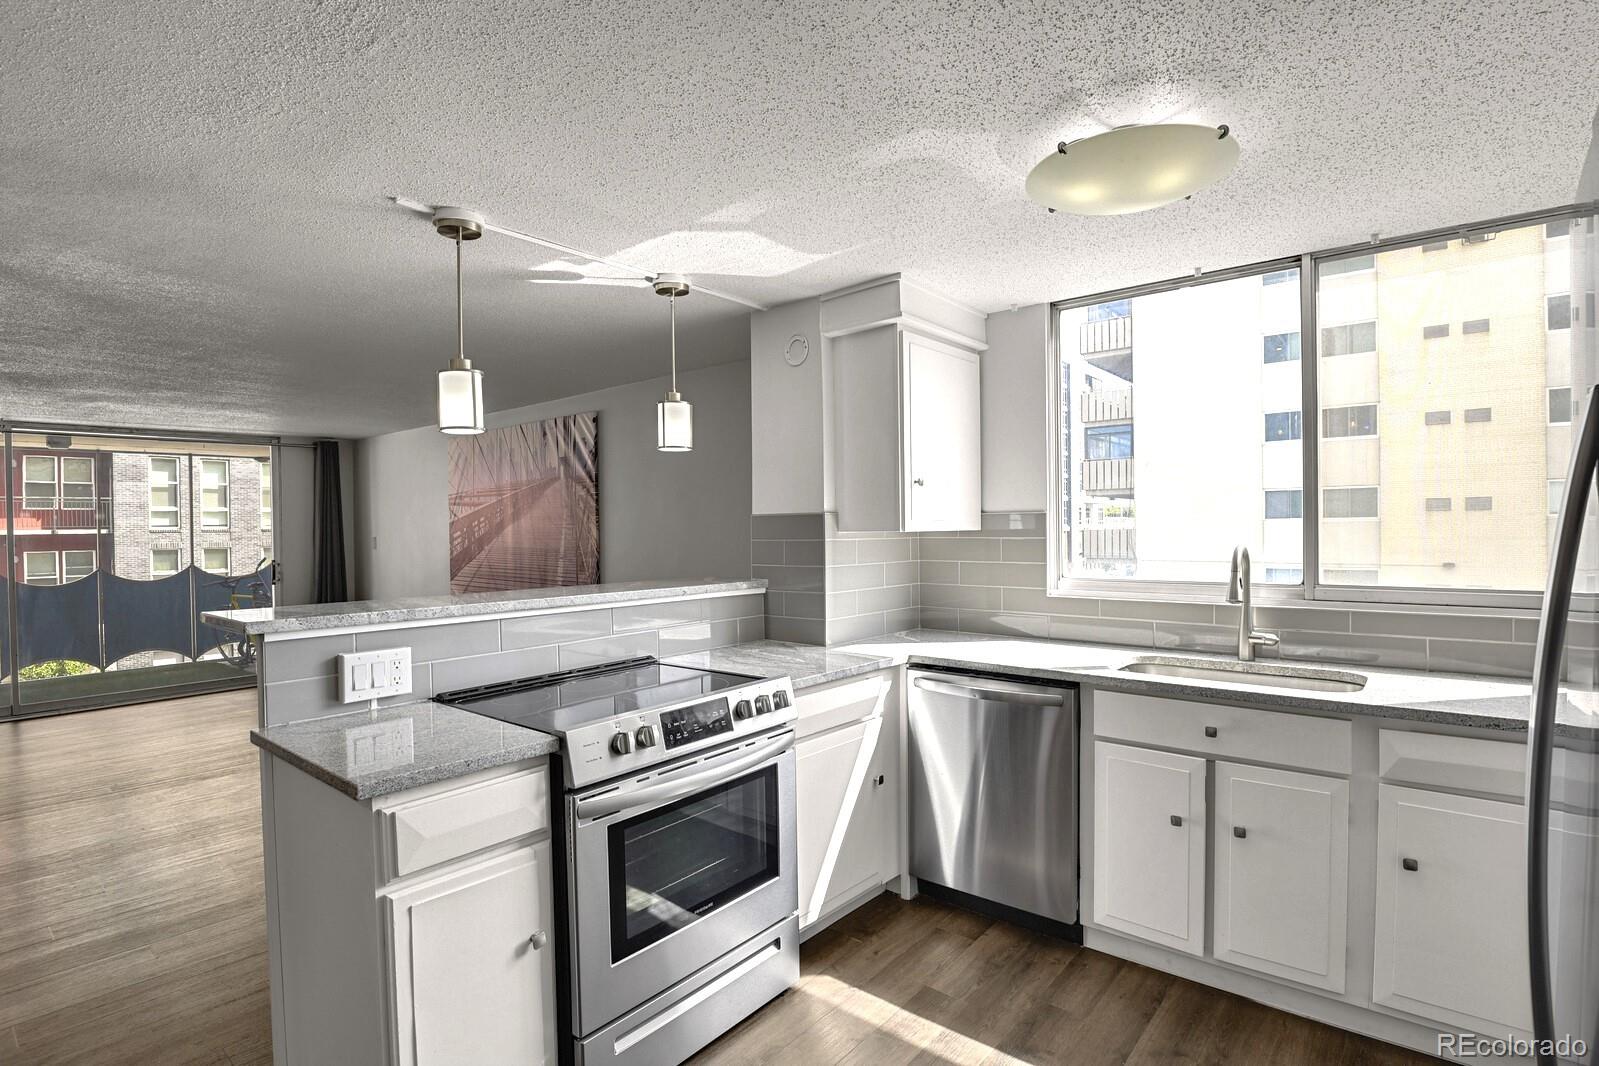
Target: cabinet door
<point>473,964</point>
<point>1149,845</point>
<point>942,467</point>
<point>839,809</point>
<point>1452,910</point>
<point>1282,873</point>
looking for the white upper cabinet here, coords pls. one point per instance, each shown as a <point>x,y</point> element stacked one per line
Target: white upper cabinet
<point>906,426</point>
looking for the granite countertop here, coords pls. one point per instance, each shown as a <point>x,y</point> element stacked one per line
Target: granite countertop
<point>1435,698</point>
<point>804,664</point>
<point>366,754</point>
<point>316,616</point>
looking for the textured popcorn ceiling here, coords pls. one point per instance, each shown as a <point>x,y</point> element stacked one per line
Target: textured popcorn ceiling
<point>196,233</point>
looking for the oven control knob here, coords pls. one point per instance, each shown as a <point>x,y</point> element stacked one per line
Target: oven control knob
<point>742,709</point>
<point>763,705</point>
<point>645,736</point>
<point>621,743</point>
<point>779,699</point>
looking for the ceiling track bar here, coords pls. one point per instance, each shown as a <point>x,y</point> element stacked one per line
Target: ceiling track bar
<point>566,249</point>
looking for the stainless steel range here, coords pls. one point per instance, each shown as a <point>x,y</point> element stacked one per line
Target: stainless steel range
<point>679,849</point>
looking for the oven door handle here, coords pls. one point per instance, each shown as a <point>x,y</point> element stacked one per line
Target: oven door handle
<point>612,802</point>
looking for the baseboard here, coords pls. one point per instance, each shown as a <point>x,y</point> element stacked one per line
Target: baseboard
<point>1037,923</point>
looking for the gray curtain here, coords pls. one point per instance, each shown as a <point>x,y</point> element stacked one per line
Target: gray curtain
<point>327,533</point>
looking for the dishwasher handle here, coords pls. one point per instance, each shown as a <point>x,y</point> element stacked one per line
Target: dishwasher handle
<point>993,691</point>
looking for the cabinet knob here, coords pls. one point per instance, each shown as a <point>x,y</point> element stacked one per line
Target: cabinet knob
<point>918,481</point>
<point>1210,730</point>
<point>538,939</point>
<point>880,779</point>
<point>1177,819</point>
<point>1240,832</point>
<point>1410,864</point>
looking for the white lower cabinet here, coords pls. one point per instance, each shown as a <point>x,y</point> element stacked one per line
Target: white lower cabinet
<point>473,964</point>
<point>1451,940</point>
<point>1149,845</point>
<point>846,777</point>
<point>1282,873</point>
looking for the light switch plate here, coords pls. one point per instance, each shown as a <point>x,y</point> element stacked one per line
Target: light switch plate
<point>371,675</point>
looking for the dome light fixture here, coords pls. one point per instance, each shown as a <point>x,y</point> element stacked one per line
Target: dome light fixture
<point>674,416</point>
<point>460,385</point>
<point>1132,168</point>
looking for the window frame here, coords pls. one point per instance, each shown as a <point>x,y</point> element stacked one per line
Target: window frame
<point>1313,591</point>
<point>227,554</point>
<point>176,569</point>
<point>54,483</point>
<point>55,567</point>
<point>94,563</point>
<point>176,510</point>
<point>226,486</point>
<point>264,473</point>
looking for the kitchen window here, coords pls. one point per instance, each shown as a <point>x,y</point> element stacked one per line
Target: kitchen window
<point>163,492</point>
<point>1398,435</point>
<point>215,560</point>
<point>213,494</point>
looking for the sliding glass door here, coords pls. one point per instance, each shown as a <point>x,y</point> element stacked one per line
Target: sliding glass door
<point>115,544</point>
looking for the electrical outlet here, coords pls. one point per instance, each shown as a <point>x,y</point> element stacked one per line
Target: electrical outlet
<point>370,675</point>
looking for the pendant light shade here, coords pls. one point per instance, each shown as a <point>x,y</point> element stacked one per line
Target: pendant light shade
<point>1132,168</point>
<point>674,416</point>
<point>460,386</point>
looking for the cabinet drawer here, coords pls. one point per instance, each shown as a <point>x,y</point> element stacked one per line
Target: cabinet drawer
<point>854,699</point>
<point>1280,737</point>
<point>418,833</point>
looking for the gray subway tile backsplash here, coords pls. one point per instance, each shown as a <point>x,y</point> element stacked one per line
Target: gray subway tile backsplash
<point>301,657</point>
<point>656,615</point>
<point>452,674</point>
<point>448,640</point>
<point>540,629</point>
<point>609,649</point>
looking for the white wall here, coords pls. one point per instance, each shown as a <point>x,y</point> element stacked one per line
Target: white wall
<point>661,516</point>
<point>1016,408</point>
<point>788,412</point>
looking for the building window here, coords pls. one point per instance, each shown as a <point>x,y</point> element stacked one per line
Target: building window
<point>1432,333</point>
<point>1557,494</point>
<point>1349,503</point>
<point>215,560</point>
<point>1112,309</point>
<point>266,494</point>
<point>213,494</point>
<point>39,483</point>
<point>1479,414</point>
<point>1357,421</point>
<point>77,482</point>
<point>1108,442</point>
<point>163,562</point>
<point>1285,503</point>
<point>1437,418</point>
<point>76,564</point>
<point>1349,339</point>
<point>163,492</point>
<point>1277,277</point>
<point>1284,425</point>
<point>1352,265</point>
<point>1559,406</point>
<point>1558,311</point>
<point>1474,325</point>
<point>1347,576</point>
<point>1439,503</point>
<point>1282,347</point>
<point>39,568</point>
<point>1285,575</point>
<point>1479,503</point>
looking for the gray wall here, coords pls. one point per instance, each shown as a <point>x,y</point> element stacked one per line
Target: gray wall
<point>301,679</point>
<point>661,516</point>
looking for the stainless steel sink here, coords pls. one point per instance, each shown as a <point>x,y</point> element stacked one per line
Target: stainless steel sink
<point>1266,675</point>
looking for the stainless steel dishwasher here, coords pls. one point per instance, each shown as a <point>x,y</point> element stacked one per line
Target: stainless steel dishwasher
<point>993,791</point>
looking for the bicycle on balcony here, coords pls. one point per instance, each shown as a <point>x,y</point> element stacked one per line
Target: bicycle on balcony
<point>246,591</point>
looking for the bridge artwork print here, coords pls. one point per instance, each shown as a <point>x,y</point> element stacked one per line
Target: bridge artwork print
<point>524,506</point>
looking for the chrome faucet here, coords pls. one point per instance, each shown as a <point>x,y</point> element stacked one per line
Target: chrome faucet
<point>1238,592</point>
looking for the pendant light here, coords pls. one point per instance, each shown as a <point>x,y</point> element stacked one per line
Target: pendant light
<point>1132,168</point>
<point>674,416</point>
<point>460,386</point>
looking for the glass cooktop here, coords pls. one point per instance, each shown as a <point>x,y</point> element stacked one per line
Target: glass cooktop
<point>555,703</point>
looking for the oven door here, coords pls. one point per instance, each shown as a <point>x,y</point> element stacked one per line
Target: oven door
<point>672,869</point>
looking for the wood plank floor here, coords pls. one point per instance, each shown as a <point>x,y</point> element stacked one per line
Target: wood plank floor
<point>132,922</point>
<point>132,930</point>
<point>921,982</point>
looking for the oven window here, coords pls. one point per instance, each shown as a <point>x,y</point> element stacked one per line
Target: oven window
<point>678,863</point>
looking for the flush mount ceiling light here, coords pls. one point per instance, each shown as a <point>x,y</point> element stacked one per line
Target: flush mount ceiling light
<point>674,416</point>
<point>1132,168</point>
<point>460,386</point>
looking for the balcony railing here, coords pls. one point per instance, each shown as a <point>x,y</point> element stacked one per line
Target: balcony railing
<point>1105,335</point>
<point>1114,543</point>
<point>49,514</point>
<point>1106,405</point>
<point>1107,475</point>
